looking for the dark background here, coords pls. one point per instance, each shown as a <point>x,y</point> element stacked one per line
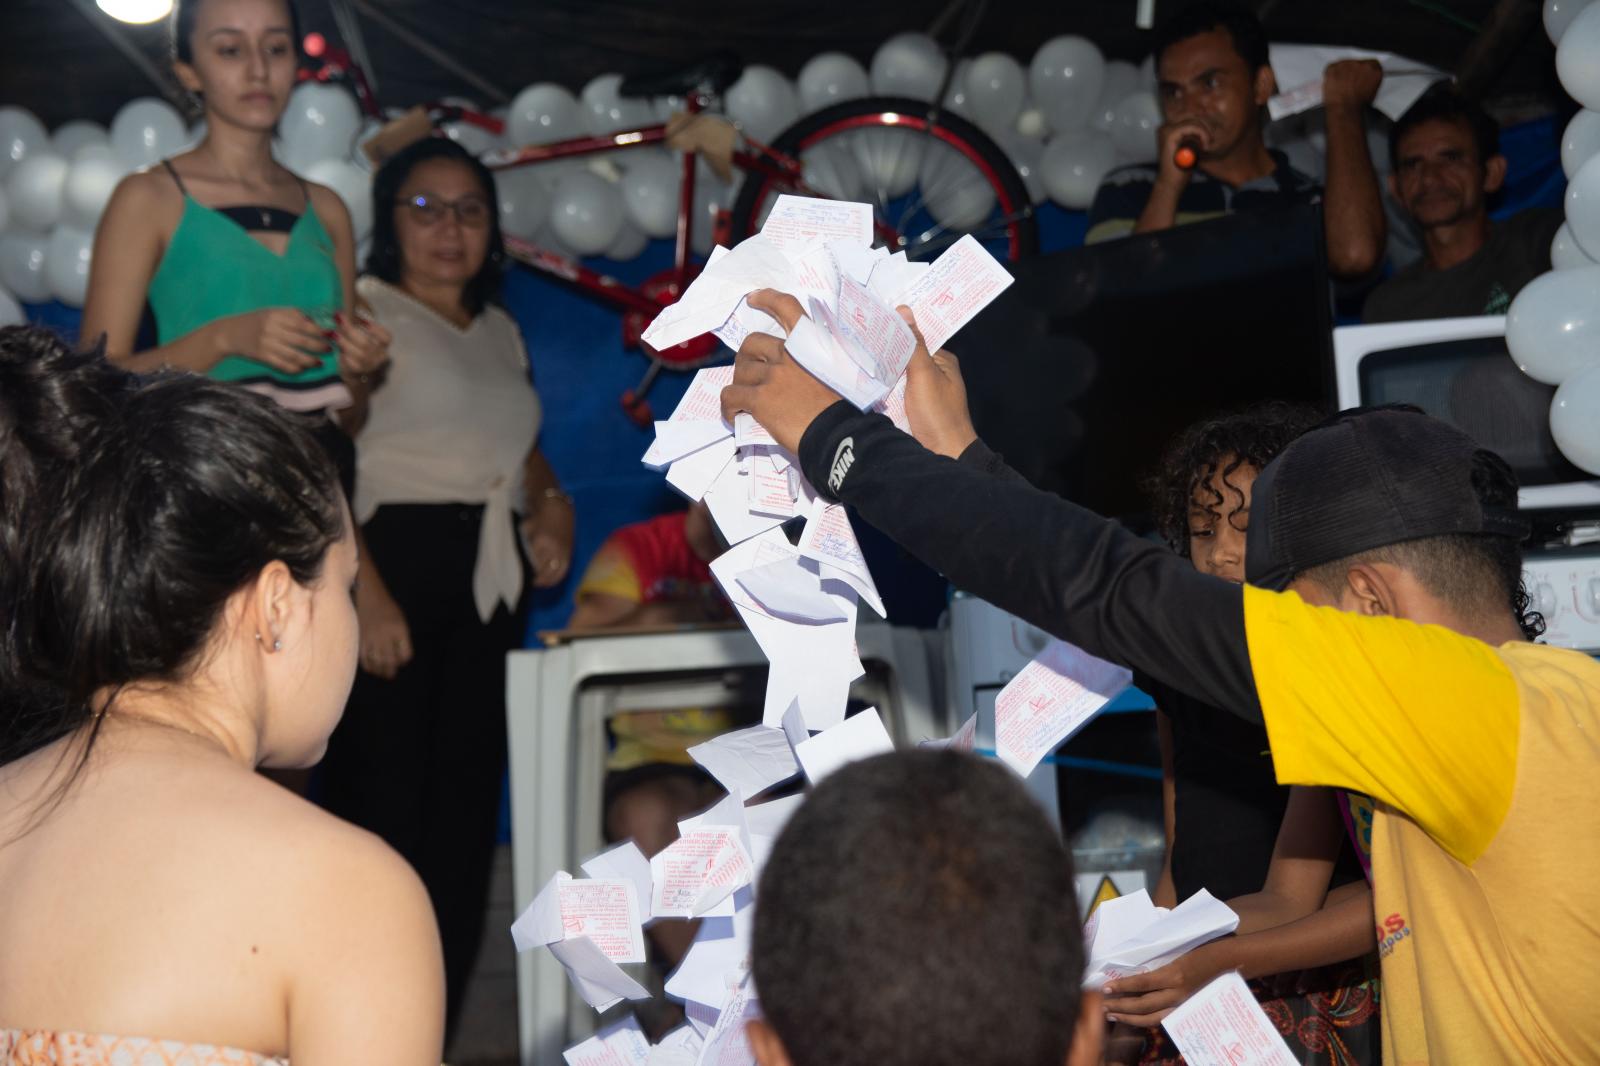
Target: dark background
<point>58,63</point>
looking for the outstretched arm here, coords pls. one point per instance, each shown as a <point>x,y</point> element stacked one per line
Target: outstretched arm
<point>1065,569</point>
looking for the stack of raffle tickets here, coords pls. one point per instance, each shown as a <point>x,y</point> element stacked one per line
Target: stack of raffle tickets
<point>796,574</point>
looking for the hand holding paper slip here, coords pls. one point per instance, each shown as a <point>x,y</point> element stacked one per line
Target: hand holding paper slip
<point>1223,1025</point>
<point>1050,699</point>
<point>1135,936</point>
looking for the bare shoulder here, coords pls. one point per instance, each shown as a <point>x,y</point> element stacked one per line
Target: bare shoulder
<point>148,195</point>
<point>328,205</point>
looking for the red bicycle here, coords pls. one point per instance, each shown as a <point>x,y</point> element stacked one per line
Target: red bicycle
<point>932,178</point>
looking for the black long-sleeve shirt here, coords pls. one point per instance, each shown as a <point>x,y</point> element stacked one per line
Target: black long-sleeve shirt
<point>1060,567</point>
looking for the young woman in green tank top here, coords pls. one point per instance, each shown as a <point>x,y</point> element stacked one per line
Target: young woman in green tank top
<point>249,270</point>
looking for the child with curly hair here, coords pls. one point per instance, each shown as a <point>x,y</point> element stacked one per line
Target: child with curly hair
<point>1272,851</point>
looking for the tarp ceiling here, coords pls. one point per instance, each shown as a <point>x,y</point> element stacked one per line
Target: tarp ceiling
<point>57,62</point>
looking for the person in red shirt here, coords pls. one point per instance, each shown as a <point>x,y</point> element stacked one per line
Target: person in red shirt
<point>650,574</point>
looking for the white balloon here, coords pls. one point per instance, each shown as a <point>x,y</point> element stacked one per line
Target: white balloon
<point>763,102</point>
<point>1026,154</point>
<point>712,196</point>
<point>586,212</point>
<point>908,64</point>
<point>197,133</point>
<point>542,114</point>
<point>1565,253</point>
<point>1558,15</point>
<point>1553,325</point>
<point>5,209</point>
<point>607,111</point>
<point>1074,164</point>
<point>664,107</point>
<point>651,181</point>
<point>630,241</point>
<point>1582,204</point>
<point>1580,142</point>
<point>1138,119</point>
<point>71,136</point>
<point>35,190</point>
<point>320,123</point>
<point>889,160</point>
<point>146,131</point>
<point>1148,78</point>
<point>1031,123</point>
<point>524,195</point>
<point>66,264</point>
<point>831,78</point>
<point>1121,82</point>
<point>11,311</point>
<point>995,88</point>
<point>955,97</point>
<point>91,180</point>
<point>475,139</point>
<point>358,155</point>
<point>953,189</point>
<point>1575,419</point>
<point>1576,55</point>
<point>832,170</point>
<point>1065,78</point>
<point>22,258</point>
<point>20,135</point>
<point>354,187</point>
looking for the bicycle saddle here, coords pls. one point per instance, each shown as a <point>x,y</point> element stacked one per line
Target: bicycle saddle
<point>718,71</point>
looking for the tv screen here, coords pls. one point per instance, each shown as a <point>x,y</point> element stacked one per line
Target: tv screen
<point>1084,370</point>
<point>1474,385</point>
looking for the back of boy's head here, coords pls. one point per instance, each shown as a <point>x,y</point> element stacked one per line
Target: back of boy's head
<point>919,910</point>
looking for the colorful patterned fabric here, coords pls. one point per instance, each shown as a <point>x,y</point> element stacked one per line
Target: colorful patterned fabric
<point>22,1047</point>
<point>1328,1016</point>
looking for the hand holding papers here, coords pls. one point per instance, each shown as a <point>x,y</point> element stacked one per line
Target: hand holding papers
<point>1130,934</point>
<point>1223,1025</point>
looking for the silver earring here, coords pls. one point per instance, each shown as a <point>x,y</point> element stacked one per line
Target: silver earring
<point>277,645</point>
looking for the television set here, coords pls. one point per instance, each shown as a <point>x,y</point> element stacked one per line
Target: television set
<point>1458,369</point>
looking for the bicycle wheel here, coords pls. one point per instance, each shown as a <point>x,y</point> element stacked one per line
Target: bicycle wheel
<point>930,182</point>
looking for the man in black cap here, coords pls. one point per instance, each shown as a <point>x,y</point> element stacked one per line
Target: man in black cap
<point>1421,691</point>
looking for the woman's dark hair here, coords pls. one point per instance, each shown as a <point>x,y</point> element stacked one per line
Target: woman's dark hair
<point>1251,437</point>
<point>180,27</point>
<point>134,508</point>
<point>1242,25</point>
<point>383,261</point>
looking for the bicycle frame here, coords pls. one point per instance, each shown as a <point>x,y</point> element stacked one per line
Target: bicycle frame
<point>769,165</point>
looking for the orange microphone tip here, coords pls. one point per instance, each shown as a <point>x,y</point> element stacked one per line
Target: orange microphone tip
<point>1185,158</point>
<point>315,45</point>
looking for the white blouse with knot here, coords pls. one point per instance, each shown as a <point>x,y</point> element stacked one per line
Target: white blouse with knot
<point>452,422</point>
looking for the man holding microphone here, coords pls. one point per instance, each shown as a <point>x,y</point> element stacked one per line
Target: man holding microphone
<point>1214,81</point>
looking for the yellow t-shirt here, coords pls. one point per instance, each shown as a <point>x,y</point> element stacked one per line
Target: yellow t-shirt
<point>1486,837</point>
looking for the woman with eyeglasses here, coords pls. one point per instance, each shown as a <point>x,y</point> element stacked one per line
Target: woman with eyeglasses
<point>248,268</point>
<point>446,460</point>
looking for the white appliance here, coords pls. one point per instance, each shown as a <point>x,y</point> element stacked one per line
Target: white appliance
<point>1458,369</point>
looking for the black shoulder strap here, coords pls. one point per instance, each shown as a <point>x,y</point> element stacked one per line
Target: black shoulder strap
<point>171,170</point>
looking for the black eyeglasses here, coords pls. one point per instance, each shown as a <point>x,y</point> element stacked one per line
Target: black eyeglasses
<point>470,211</point>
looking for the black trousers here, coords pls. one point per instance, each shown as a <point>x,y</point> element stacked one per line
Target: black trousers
<point>419,759</point>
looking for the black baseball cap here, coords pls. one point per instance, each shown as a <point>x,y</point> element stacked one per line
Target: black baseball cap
<point>1365,479</point>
